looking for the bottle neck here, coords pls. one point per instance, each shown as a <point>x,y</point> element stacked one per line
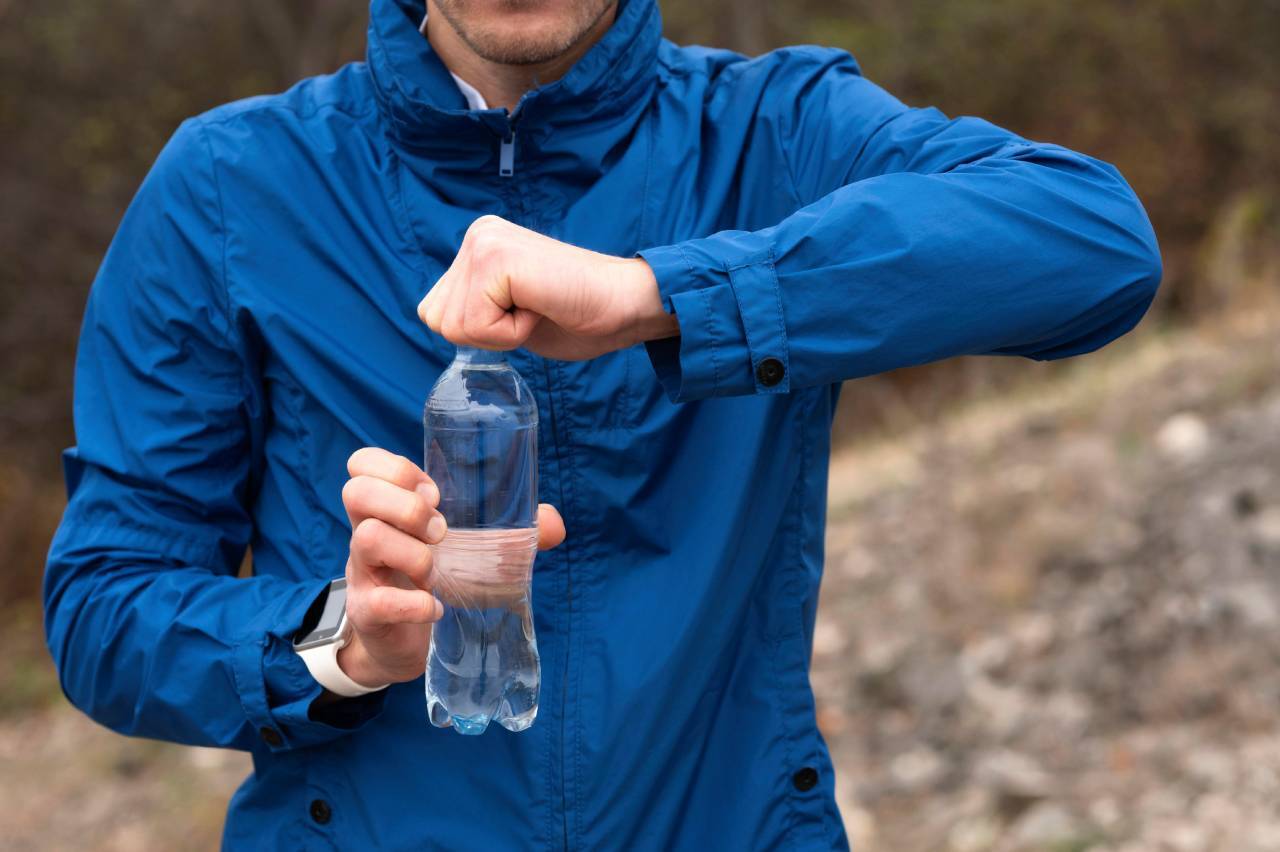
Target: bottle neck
<point>469,355</point>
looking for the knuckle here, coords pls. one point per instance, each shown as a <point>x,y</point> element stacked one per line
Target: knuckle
<point>431,313</point>
<point>352,491</point>
<point>380,606</point>
<point>450,328</point>
<point>485,224</point>
<point>422,563</point>
<point>488,241</point>
<point>358,609</point>
<point>418,512</point>
<point>405,471</point>
<point>483,240</point>
<point>357,460</point>
<point>367,536</point>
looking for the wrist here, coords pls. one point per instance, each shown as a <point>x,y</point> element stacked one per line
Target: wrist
<point>355,663</point>
<point>649,320</point>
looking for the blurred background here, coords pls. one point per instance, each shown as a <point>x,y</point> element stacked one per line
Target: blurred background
<point>1053,590</point>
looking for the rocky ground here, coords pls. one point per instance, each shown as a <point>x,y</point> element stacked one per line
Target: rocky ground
<point>1049,623</point>
<point>1052,623</point>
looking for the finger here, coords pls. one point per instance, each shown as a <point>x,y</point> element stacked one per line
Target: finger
<point>376,544</point>
<point>414,512</point>
<point>504,329</point>
<point>438,296</point>
<point>361,575</point>
<point>453,310</point>
<point>375,461</point>
<point>550,527</point>
<point>451,287</point>
<point>490,323</point>
<point>424,308</point>
<point>429,310</point>
<point>425,302</point>
<point>524,322</point>
<point>382,605</point>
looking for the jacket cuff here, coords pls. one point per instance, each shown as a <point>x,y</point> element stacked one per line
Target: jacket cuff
<point>723,290</point>
<point>277,690</point>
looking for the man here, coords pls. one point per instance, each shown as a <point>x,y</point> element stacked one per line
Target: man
<point>687,252</point>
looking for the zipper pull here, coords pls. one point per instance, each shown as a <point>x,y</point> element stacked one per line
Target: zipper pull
<point>507,156</point>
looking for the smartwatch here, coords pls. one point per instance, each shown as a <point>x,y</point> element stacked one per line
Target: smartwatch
<point>319,645</point>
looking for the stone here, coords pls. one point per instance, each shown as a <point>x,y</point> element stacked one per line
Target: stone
<point>917,769</point>
<point>1184,437</point>
<point>1011,773</point>
<point>1265,526</point>
<point>1215,768</point>
<point>1047,825</point>
<point>974,834</point>
<point>828,638</point>
<point>1181,836</point>
<point>1034,633</point>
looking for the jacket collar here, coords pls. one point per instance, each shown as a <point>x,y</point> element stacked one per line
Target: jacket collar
<point>607,87</point>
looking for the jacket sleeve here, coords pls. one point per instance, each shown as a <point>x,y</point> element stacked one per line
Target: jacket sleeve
<point>915,238</point>
<point>152,632</point>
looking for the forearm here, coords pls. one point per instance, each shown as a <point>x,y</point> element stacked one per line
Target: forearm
<point>1036,251</point>
<point>151,647</point>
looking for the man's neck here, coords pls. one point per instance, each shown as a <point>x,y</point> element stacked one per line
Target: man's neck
<point>503,85</point>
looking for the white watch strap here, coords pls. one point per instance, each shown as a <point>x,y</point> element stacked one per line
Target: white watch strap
<point>322,662</point>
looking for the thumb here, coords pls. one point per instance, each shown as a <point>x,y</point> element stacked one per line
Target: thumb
<point>550,527</point>
<point>523,322</point>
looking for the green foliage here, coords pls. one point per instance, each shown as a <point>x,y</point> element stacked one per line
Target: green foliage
<point>1182,95</point>
<point>26,671</point>
<point>91,92</point>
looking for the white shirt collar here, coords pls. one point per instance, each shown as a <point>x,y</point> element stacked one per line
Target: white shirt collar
<point>475,100</point>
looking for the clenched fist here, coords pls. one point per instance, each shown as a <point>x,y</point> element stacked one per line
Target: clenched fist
<point>511,287</point>
<point>392,503</point>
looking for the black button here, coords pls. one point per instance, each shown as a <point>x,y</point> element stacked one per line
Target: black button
<point>770,371</point>
<point>320,811</point>
<point>271,736</point>
<point>806,779</point>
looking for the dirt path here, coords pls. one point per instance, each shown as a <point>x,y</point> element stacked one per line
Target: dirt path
<point>70,784</point>
<point>1053,624</point>
<point>1049,623</point>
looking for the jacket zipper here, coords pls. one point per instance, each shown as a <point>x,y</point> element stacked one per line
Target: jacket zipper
<point>507,145</point>
<point>507,154</point>
<point>507,169</point>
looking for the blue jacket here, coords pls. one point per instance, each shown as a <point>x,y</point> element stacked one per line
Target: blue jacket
<point>254,323</point>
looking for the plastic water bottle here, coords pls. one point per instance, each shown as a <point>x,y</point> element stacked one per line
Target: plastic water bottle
<point>481,440</point>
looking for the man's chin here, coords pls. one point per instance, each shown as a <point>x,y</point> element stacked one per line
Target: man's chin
<point>510,45</point>
<point>524,32</point>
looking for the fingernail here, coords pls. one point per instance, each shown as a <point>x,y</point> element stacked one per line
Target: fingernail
<point>429,492</point>
<point>436,528</point>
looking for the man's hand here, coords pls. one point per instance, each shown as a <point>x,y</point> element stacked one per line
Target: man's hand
<point>392,503</point>
<point>510,287</point>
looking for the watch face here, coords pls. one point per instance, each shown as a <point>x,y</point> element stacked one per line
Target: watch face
<point>330,623</point>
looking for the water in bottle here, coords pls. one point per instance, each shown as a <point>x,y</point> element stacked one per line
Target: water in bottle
<point>481,443</point>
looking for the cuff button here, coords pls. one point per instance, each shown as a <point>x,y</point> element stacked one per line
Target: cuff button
<point>805,780</point>
<point>770,371</point>
<point>271,737</point>
<point>320,811</point>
